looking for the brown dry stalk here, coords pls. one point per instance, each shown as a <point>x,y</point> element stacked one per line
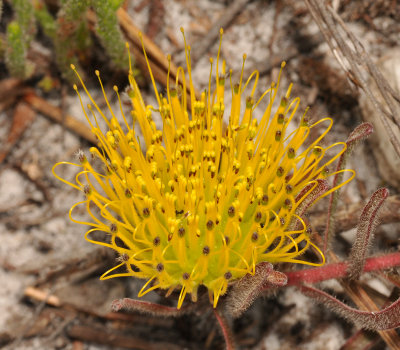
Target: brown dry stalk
<point>103,335</point>
<point>23,116</point>
<point>201,48</point>
<point>56,114</point>
<point>155,54</point>
<point>347,216</point>
<point>156,57</point>
<point>10,86</point>
<point>42,296</point>
<point>353,61</point>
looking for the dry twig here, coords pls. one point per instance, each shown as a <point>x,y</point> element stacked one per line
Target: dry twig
<point>225,19</point>
<point>56,114</point>
<point>109,337</point>
<point>346,218</point>
<point>22,118</point>
<point>355,61</point>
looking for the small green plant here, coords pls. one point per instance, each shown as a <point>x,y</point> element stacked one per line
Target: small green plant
<point>68,30</point>
<point>108,30</point>
<point>19,35</point>
<point>16,51</point>
<point>45,19</point>
<point>72,34</point>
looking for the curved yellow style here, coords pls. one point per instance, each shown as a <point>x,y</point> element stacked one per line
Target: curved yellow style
<point>210,195</point>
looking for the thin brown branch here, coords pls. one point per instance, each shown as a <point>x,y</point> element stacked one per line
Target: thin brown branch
<point>55,113</point>
<point>157,59</point>
<point>42,296</point>
<point>352,60</point>
<point>201,47</point>
<point>23,116</point>
<point>102,335</point>
<point>155,54</point>
<point>10,86</point>
<point>347,217</point>
<point>361,340</point>
<point>385,88</point>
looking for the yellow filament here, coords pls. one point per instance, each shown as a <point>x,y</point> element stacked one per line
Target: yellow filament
<point>201,203</point>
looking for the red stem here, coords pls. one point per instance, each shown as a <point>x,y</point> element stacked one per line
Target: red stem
<point>339,270</point>
<point>226,332</point>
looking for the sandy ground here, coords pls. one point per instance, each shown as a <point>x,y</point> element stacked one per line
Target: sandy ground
<point>38,239</point>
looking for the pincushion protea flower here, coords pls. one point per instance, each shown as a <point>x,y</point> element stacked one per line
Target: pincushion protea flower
<point>205,202</point>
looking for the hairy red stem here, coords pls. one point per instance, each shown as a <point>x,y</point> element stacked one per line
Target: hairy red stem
<point>226,332</point>
<point>339,270</point>
<point>365,232</point>
<point>358,134</point>
<point>147,307</point>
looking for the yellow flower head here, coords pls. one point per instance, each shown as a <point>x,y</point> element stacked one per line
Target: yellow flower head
<point>202,203</point>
